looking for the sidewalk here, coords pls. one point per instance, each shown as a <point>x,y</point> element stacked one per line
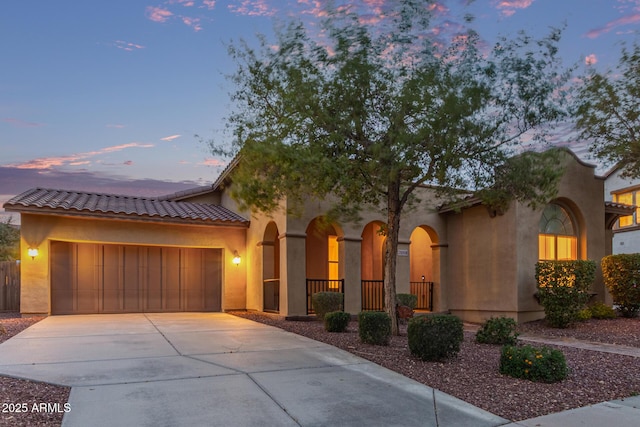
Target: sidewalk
<point>616,413</point>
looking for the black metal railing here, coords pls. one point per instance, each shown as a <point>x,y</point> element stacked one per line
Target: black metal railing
<point>271,295</point>
<point>322,285</point>
<point>424,292</point>
<point>372,295</point>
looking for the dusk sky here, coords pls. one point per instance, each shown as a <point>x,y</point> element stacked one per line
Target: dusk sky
<point>108,96</point>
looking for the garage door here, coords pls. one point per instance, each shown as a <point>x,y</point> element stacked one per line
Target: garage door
<point>97,278</point>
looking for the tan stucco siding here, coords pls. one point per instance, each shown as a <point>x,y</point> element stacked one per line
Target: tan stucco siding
<point>39,230</point>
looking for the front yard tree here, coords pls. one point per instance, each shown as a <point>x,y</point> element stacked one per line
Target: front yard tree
<point>608,115</point>
<point>368,114</point>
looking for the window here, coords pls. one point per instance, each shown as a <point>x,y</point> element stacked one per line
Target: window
<point>558,236</point>
<point>333,260</point>
<point>628,198</point>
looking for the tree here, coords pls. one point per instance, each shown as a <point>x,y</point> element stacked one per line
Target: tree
<point>9,241</point>
<point>608,115</point>
<point>370,113</point>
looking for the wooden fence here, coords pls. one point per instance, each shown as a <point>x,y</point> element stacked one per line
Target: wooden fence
<point>9,286</point>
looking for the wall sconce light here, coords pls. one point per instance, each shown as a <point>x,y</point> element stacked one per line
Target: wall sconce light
<point>236,258</point>
<point>32,252</point>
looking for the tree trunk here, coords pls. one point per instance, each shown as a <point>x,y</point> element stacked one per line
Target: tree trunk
<point>391,253</point>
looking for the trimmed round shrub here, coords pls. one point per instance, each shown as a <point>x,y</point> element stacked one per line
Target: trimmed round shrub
<point>498,330</point>
<point>374,327</point>
<point>543,364</point>
<point>601,310</point>
<point>563,289</point>
<point>409,300</point>
<point>326,302</point>
<point>435,337</point>
<point>621,275</point>
<point>336,321</point>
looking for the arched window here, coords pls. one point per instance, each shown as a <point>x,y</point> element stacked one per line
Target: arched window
<point>558,238</point>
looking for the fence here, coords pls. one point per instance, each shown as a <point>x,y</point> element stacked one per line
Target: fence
<point>424,292</point>
<point>373,295</point>
<point>322,285</point>
<point>271,295</point>
<point>9,286</point>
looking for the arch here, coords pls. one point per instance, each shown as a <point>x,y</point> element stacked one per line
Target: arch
<point>561,232</point>
<point>321,246</point>
<point>424,274</point>
<point>271,268</point>
<point>371,252</point>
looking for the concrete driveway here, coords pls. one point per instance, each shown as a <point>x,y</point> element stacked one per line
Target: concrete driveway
<point>193,369</point>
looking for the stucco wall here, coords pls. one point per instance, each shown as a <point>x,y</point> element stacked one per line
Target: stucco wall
<point>39,230</point>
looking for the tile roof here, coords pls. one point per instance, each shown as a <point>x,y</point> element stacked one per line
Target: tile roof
<point>117,206</point>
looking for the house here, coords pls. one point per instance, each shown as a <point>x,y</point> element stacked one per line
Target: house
<point>195,251</point>
<point>626,231</point>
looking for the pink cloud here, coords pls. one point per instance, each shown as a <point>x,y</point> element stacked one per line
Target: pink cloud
<point>209,4</point>
<point>116,126</point>
<point>128,163</point>
<point>22,123</point>
<point>120,44</point>
<point>253,8</point>
<point>509,7</point>
<point>213,162</point>
<point>591,59</point>
<point>44,163</point>
<point>192,22</point>
<point>625,20</point>
<point>158,14</point>
<point>170,138</point>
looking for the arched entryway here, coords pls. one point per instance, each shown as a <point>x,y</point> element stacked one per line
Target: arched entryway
<point>271,268</point>
<point>424,266</point>
<point>372,265</point>
<point>322,262</point>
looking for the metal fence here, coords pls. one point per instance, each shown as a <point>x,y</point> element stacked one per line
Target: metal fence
<point>372,295</point>
<point>9,286</point>
<point>271,295</point>
<point>424,292</point>
<point>322,285</point>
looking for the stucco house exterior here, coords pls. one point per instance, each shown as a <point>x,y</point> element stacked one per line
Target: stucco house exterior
<point>195,251</point>
<point>626,231</point>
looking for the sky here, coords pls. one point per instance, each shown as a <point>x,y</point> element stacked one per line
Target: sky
<point>120,96</point>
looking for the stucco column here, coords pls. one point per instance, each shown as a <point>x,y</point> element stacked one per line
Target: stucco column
<point>350,270</point>
<point>293,283</point>
<point>403,267</point>
<point>439,254</point>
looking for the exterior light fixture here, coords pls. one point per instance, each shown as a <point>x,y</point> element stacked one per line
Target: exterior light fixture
<point>236,258</point>
<point>32,252</point>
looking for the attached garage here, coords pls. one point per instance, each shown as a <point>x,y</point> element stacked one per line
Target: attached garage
<point>104,253</point>
<point>106,278</point>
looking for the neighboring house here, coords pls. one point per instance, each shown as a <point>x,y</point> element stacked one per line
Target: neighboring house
<point>626,231</point>
<point>194,251</point>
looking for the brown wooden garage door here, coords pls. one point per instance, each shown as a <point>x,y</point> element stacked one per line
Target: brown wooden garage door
<point>97,278</point>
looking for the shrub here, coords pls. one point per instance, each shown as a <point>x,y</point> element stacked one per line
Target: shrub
<point>536,364</point>
<point>409,300</point>
<point>498,330</point>
<point>435,337</point>
<point>563,289</point>
<point>336,321</point>
<point>621,275</point>
<point>325,302</point>
<point>374,327</point>
<point>584,315</point>
<point>601,310</point>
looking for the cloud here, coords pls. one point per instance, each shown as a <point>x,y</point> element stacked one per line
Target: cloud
<point>591,59</point>
<point>209,4</point>
<point>509,7</point>
<point>158,14</point>
<point>21,123</point>
<point>116,126</point>
<point>253,8</point>
<point>121,44</point>
<point>192,22</point>
<point>170,138</point>
<point>625,20</point>
<point>128,163</point>
<point>213,162</point>
<point>46,163</point>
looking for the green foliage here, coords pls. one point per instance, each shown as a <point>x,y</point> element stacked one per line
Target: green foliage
<point>498,330</point>
<point>583,315</point>
<point>374,327</point>
<point>435,337</point>
<point>536,364</point>
<point>621,275</point>
<point>599,310</point>
<point>9,242</point>
<point>563,289</point>
<point>607,113</point>
<point>336,321</point>
<point>409,300</point>
<point>325,302</point>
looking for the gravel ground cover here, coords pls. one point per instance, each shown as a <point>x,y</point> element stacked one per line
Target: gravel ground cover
<point>18,397</point>
<point>473,374</point>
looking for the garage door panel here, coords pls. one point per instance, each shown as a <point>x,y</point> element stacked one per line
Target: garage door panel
<point>95,278</point>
